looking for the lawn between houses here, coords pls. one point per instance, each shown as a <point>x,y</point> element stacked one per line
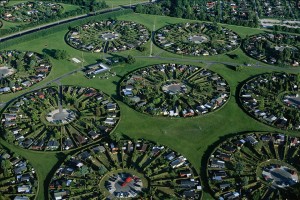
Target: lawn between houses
<point>191,137</point>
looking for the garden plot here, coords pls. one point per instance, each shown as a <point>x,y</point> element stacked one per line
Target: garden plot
<point>18,177</point>
<point>255,166</point>
<point>231,10</point>
<point>59,118</point>
<point>20,70</point>
<point>126,169</point>
<point>196,39</point>
<point>108,36</point>
<point>174,90</point>
<point>278,9</point>
<point>278,48</point>
<point>31,11</point>
<point>273,99</point>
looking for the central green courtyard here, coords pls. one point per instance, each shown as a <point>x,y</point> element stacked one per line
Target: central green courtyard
<point>191,137</point>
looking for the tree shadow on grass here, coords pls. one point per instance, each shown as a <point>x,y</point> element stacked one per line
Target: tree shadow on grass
<point>61,157</point>
<point>49,52</point>
<point>230,67</point>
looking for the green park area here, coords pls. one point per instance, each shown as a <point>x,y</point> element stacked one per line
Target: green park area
<point>192,137</point>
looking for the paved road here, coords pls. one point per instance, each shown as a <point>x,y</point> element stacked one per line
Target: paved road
<point>295,70</point>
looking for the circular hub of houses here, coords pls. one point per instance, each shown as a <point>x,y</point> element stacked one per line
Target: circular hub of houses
<point>174,90</point>
<point>29,68</point>
<point>126,169</point>
<point>273,98</point>
<point>254,165</point>
<point>59,118</point>
<point>19,180</point>
<point>108,36</point>
<point>31,11</point>
<point>125,183</point>
<point>196,39</point>
<point>280,174</point>
<point>174,87</point>
<point>273,48</point>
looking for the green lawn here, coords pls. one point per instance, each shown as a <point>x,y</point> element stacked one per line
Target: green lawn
<point>191,137</point>
<point>116,3</point>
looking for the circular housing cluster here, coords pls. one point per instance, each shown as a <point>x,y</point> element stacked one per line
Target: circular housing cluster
<point>174,90</point>
<point>108,36</point>
<point>59,118</point>
<point>273,98</point>
<point>18,178</point>
<point>273,48</point>
<point>196,39</point>
<point>126,169</point>
<point>255,166</point>
<point>20,70</point>
<point>31,11</point>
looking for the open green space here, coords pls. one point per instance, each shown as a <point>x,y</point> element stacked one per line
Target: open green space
<point>117,3</point>
<point>191,137</point>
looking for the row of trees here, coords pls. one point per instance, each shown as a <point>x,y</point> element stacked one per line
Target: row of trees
<point>196,9</point>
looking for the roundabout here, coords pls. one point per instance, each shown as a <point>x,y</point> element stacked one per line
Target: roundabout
<point>62,116</point>
<point>108,36</point>
<point>20,70</point>
<point>273,98</point>
<point>256,165</point>
<point>59,118</point>
<point>126,169</point>
<point>280,176</point>
<point>196,39</point>
<point>174,90</point>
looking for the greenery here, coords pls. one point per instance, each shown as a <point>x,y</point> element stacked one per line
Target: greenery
<point>60,118</point>
<point>60,54</point>
<point>191,137</point>
<point>273,99</point>
<point>196,39</point>
<point>156,169</point>
<point>253,164</point>
<point>174,90</point>
<point>107,36</point>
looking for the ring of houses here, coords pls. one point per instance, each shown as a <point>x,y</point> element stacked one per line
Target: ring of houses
<point>31,11</point>
<point>18,178</point>
<point>108,36</point>
<point>59,118</point>
<point>126,169</point>
<point>20,70</point>
<point>273,98</point>
<point>196,39</point>
<point>174,90</point>
<point>274,48</point>
<point>254,166</point>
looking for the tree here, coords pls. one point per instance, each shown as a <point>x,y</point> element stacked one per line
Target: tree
<point>239,167</point>
<point>60,54</point>
<point>116,136</point>
<point>130,59</point>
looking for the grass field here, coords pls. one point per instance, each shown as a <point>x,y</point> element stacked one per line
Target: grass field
<point>191,137</point>
<point>116,3</point>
